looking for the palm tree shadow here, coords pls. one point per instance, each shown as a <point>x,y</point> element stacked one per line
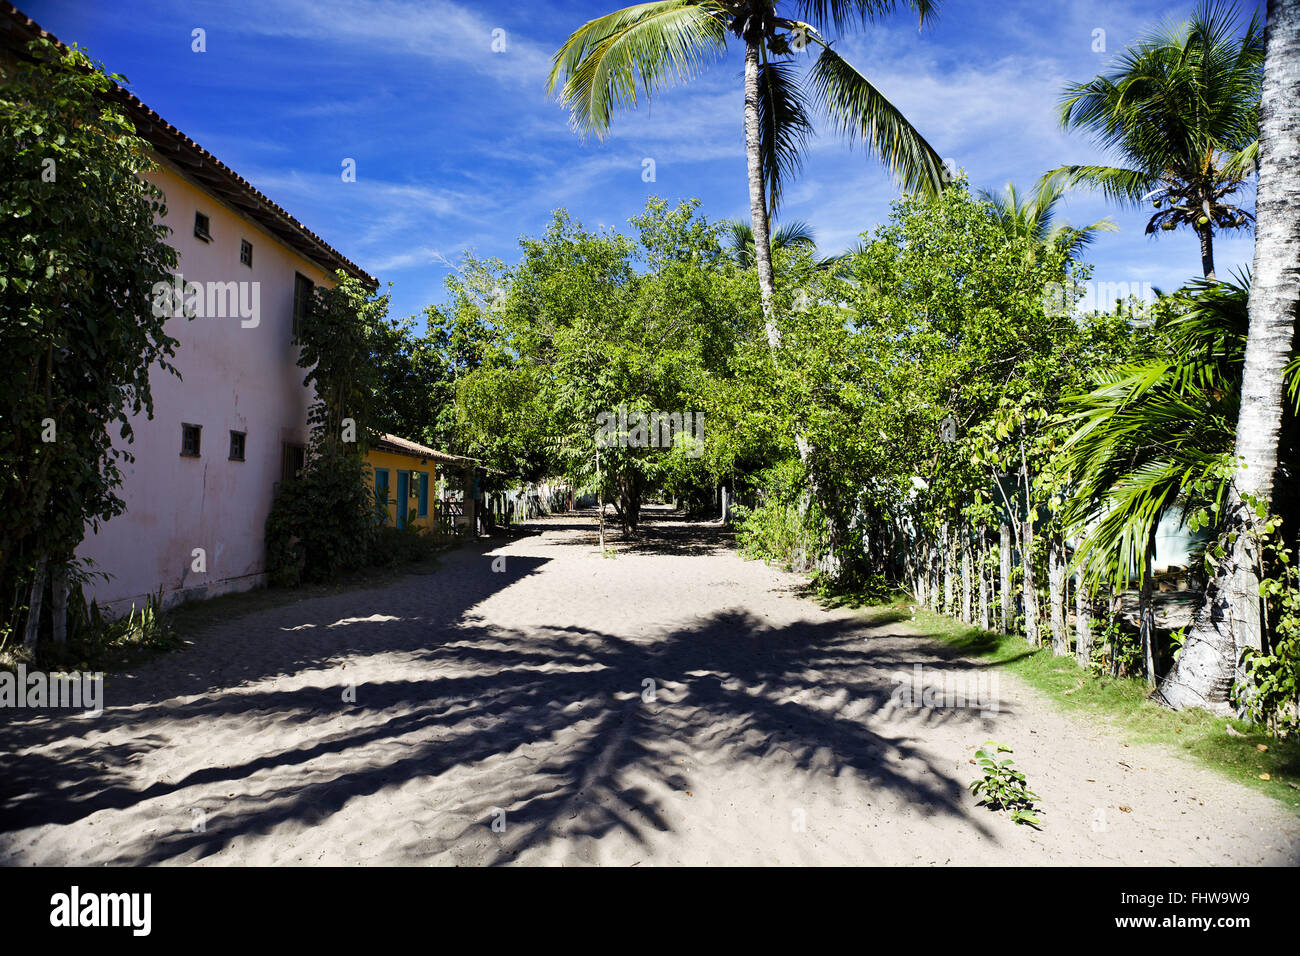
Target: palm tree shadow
<point>565,740</point>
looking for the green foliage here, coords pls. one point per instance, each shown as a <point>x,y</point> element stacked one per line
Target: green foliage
<point>1003,787</point>
<point>338,341</point>
<point>80,253</point>
<point>784,526</point>
<point>323,522</point>
<point>94,642</point>
<point>577,336</point>
<point>409,544</point>
<point>1270,693</point>
<point>1155,435</point>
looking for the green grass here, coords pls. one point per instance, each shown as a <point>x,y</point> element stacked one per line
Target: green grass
<point>1120,702</point>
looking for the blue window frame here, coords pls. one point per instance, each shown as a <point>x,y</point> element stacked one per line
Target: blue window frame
<point>381,495</point>
<point>403,497</point>
<point>423,511</point>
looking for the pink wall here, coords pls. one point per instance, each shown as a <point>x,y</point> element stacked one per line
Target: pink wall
<point>232,378</point>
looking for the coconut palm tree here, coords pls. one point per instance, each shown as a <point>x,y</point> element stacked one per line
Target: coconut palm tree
<point>1180,111</point>
<point>1229,622</point>
<point>1033,218</point>
<point>616,60</point>
<point>791,236</point>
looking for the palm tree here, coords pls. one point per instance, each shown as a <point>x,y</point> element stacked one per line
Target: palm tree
<point>740,240</point>
<point>1034,219</point>
<point>1229,622</point>
<point>610,61</point>
<point>792,236</point>
<point>1181,111</point>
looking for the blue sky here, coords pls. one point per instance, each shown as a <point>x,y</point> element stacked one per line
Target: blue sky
<point>457,147</point>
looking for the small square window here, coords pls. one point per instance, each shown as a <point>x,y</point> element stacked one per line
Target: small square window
<point>246,252</point>
<point>237,446</point>
<point>202,227</point>
<point>190,440</point>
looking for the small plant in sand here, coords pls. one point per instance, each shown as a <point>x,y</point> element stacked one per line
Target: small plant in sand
<point>1002,786</point>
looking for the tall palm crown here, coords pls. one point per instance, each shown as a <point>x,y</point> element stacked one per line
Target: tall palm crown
<point>1034,218</point>
<point>615,60</point>
<point>1181,110</point>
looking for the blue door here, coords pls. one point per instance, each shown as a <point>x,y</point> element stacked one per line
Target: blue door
<point>403,497</point>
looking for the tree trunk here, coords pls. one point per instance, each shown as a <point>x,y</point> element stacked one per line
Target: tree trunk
<point>1082,623</point>
<point>966,617</point>
<point>1005,603</point>
<point>1147,612</point>
<point>758,193</point>
<point>946,544</point>
<point>1229,619</point>
<point>1116,607</point>
<point>1030,590</point>
<point>1056,594</point>
<point>1207,252</point>
<point>59,608</point>
<point>982,577</point>
<point>932,571</point>
<point>37,596</point>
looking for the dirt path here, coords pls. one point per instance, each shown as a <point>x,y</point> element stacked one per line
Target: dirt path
<point>674,704</point>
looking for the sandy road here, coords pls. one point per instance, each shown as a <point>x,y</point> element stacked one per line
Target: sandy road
<point>672,705</point>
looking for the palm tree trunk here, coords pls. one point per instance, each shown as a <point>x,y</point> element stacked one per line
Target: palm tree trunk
<point>758,195</point>
<point>932,559</point>
<point>1229,619</point>
<point>1207,252</point>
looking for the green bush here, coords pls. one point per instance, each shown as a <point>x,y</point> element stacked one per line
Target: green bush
<point>783,527</point>
<point>394,546</point>
<point>321,523</point>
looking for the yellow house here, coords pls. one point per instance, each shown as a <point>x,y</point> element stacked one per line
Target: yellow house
<point>417,484</point>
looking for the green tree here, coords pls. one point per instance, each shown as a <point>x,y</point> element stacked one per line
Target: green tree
<point>323,520</point>
<point>81,250</point>
<point>610,61</point>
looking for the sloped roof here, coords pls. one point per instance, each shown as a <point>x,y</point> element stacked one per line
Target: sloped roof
<point>195,162</point>
<point>404,446</point>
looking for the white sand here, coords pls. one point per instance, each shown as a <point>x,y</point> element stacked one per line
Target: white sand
<point>770,738</point>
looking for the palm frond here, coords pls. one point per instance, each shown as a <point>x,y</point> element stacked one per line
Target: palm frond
<point>608,60</point>
<point>862,112</point>
<point>1124,186</point>
<point>784,126</point>
<point>845,15</point>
